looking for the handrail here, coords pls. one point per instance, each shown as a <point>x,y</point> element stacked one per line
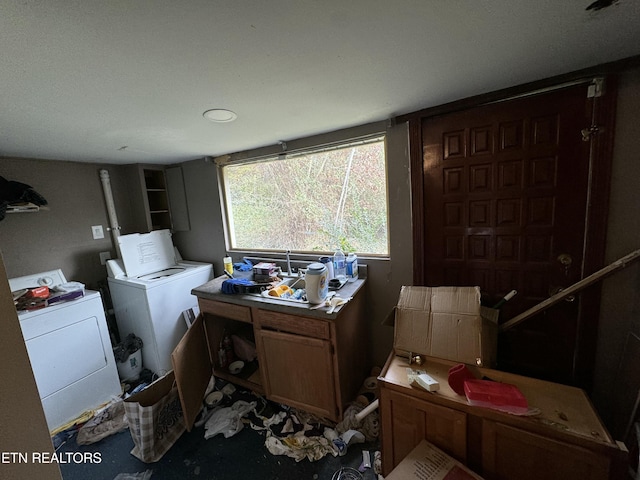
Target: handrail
<point>585,282</point>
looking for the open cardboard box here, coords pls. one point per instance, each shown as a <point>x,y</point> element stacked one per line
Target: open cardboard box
<point>446,322</point>
<point>427,462</point>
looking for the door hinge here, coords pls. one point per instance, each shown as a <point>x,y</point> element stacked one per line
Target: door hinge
<point>596,88</point>
<point>588,132</point>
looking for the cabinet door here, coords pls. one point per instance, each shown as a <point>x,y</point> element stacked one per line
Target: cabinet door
<point>406,420</point>
<point>298,371</point>
<point>509,452</point>
<point>177,199</point>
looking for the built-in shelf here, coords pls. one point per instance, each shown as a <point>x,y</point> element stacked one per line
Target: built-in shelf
<point>157,198</point>
<point>24,208</point>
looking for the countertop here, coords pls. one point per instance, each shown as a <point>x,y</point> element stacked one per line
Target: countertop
<point>211,291</point>
<point>560,407</point>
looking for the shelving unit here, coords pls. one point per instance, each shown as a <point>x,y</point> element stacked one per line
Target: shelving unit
<point>156,198</point>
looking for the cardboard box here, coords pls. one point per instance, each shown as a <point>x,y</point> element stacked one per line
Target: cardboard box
<point>446,322</point>
<point>427,462</point>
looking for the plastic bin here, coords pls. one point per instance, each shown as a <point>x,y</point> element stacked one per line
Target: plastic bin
<point>495,395</point>
<point>130,369</point>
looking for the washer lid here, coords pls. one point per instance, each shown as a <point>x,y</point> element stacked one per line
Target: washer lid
<point>144,253</point>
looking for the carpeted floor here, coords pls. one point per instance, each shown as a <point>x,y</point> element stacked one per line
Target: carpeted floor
<point>243,456</point>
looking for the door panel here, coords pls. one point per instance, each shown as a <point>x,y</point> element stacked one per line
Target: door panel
<point>408,420</point>
<point>298,371</point>
<point>510,452</point>
<point>505,191</point>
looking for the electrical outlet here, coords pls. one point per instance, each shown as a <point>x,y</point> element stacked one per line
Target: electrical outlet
<point>104,256</point>
<point>97,231</point>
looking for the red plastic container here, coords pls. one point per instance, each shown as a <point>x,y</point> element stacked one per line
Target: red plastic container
<point>457,376</point>
<point>498,396</point>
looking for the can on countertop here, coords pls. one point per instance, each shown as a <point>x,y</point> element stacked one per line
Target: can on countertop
<point>328,262</point>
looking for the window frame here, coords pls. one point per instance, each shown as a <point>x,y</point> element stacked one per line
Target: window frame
<point>245,158</point>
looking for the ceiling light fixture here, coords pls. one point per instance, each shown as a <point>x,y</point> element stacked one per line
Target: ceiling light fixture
<point>220,115</point>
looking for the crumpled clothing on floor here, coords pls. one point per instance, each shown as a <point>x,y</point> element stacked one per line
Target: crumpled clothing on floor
<point>298,446</point>
<point>296,434</point>
<point>228,420</point>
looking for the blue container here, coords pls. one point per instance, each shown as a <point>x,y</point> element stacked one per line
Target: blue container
<point>352,267</point>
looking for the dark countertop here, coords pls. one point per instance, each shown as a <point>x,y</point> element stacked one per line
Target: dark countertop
<point>211,291</point>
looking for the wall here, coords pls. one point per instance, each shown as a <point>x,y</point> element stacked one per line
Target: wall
<point>60,236</point>
<point>620,308</point>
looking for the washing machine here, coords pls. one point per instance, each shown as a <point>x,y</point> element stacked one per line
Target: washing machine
<point>70,350</point>
<point>150,289</point>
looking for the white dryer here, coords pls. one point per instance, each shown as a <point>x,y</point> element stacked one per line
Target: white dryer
<point>70,351</point>
<point>150,289</point>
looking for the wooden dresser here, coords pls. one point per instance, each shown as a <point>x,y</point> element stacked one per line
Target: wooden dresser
<point>566,440</point>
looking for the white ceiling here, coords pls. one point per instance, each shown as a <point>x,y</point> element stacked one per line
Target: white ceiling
<point>127,81</point>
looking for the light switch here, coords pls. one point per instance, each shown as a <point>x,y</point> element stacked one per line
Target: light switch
<point>97,231</point>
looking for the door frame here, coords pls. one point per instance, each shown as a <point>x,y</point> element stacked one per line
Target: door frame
<point>600,161</point>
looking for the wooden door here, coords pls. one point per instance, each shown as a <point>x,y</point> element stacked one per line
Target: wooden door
<point>506,190</point>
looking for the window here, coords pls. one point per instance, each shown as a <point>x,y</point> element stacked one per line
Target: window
<point>311,201</point>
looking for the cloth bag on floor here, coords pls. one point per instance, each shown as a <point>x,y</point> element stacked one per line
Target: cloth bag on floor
<point>155,419</point>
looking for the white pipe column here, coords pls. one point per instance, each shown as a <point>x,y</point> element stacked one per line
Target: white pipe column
<point>114,228</point>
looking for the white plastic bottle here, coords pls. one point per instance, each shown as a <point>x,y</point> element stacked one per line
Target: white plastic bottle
<point>339,265</point>
<point>317,285</point>
<point>352,267</point>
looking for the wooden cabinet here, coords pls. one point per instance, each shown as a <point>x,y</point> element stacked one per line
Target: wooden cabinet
<point>565,440</point>
<point>510,452</point>
<point>307,359</point>
<point>411,420</point>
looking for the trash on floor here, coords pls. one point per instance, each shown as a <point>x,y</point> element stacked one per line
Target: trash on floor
<point>347,473</point>
<point>146,475</point>
<point>108,421</point>
<point>228,420</point>
<point>299,434</point>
